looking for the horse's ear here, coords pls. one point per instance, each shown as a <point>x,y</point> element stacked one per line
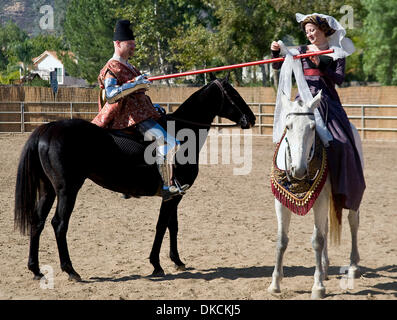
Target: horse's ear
<point>212,76</point>
<point>316,101</point>
<point>227,76</point>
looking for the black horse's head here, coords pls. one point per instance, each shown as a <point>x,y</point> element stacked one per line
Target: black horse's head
<point>233,106</point>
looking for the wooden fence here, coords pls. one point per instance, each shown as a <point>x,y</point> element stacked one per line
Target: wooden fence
<point>372,109</point>
<point>351,95</point>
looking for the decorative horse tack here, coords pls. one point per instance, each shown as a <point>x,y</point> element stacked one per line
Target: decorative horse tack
<point>300,195</point>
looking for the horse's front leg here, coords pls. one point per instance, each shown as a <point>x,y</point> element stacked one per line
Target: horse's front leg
<point>283,219</point>
<point>354,271</point>
<point>166,211</point>
<point>173,229</point>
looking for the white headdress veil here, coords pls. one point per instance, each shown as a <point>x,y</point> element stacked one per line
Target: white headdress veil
<point>342,46</point>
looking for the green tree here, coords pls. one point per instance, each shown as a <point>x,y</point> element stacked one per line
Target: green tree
<point>192,47</point>
<point>9,76</point>
<point>13,44</point>
<point>14,49</point>
<point>159,26</point>
<point>380,31</point>
<point>43,42</point>
<point>89,30</point>
<point>245,31</point>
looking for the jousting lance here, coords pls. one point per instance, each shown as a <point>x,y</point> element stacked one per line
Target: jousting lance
<point>239,65</point>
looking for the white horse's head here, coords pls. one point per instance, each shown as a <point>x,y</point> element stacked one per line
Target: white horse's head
<point>300,134</point>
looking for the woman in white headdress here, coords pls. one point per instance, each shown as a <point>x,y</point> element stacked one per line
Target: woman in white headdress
<point>323,73</point>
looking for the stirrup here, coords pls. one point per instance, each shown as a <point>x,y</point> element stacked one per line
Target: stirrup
<point>180,188</point>
<point>170,193</point>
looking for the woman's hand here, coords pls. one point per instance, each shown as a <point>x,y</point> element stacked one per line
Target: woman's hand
<point>275,46</point>
<point>314,59</point>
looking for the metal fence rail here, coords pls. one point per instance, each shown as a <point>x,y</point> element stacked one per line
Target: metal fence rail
<point>260,125</point>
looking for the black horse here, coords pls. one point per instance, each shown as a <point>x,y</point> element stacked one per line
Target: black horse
<point>60,155</point>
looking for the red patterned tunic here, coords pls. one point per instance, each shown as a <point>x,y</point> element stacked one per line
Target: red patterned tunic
<point>128,111</point>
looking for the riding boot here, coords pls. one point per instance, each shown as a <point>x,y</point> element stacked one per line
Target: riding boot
<point>170,189</point>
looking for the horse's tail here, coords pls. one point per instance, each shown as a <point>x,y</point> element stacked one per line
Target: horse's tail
<point>335,221</point>
<point>27,184</point>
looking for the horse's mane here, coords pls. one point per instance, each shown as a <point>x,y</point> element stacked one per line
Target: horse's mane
<point>194,98</point>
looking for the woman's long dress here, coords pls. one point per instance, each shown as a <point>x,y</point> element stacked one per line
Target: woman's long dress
<point>347,177</point>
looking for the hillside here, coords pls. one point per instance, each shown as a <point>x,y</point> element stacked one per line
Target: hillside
<point>26,14</point>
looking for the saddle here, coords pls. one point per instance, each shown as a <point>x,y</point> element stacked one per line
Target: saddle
<point>130,144</point>
<point>299,195</point>
<point>130,141</point>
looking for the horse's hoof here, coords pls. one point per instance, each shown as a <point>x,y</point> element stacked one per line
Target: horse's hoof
<point>75,278</point>
<point>318,293</point>
<point>354,272</point>
<point>158,273</point>
<point>273,289</point>
<point>181,267</point>
<point>38,276</point>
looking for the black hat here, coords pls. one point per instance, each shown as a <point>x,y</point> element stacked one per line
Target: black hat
<point>123,32</point>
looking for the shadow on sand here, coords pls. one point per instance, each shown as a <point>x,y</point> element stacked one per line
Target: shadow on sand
<point>266,272</point>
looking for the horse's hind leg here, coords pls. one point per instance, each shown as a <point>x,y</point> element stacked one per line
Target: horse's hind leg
<point>60,223</point>
<point>43,207</point>
<point>283,219</point>
<point>354,220</point>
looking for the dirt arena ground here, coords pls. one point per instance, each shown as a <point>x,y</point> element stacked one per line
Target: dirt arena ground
<point>227,233</point>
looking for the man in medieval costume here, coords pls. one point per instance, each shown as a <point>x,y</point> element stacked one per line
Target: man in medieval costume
<point>127,106</point>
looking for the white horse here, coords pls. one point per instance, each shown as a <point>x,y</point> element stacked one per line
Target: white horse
<point>300,135</point>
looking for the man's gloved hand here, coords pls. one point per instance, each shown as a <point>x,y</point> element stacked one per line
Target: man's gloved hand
<point>143,78</point>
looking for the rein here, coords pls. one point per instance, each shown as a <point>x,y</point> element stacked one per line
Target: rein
<point>218,125</point>
<point>225,94</point>
<point>300,114</point>
<point>198,124</point>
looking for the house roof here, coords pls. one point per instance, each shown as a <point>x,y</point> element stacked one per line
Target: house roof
<point>53,54</point>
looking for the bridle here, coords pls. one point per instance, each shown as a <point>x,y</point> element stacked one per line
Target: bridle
<point>225,94</point>
<point>219,125</point>
<point>288,149</point>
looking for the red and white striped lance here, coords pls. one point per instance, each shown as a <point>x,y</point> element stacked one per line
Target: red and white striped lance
<point>239,65</point>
